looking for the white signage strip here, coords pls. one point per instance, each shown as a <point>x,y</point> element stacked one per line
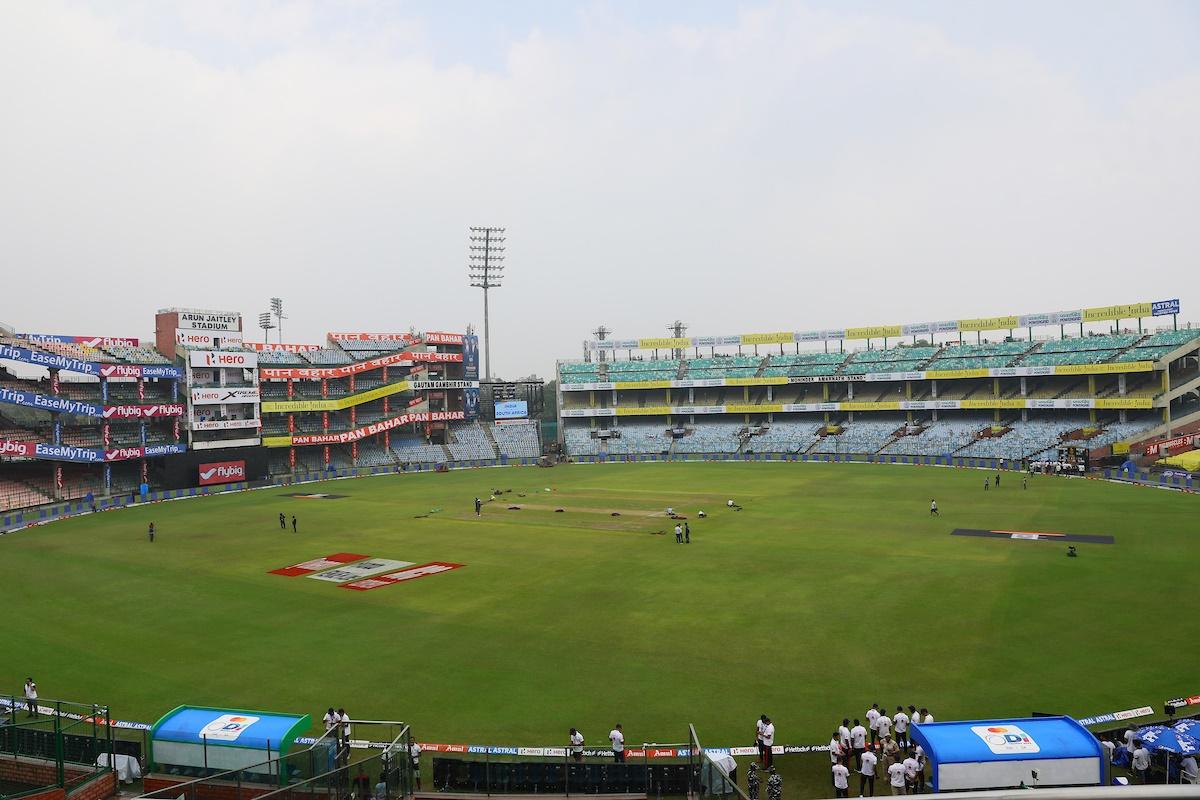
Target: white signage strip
<point>852,405</point>
<point>193,338</point>
<point>213,395</point>
<point>224,359</point>
<point>225,424</point>
<point>360,569</point>
<point>209,320</point>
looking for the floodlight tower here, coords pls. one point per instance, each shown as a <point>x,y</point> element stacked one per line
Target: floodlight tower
<point>677,329</point>
<point>264,322</point>
<point>486,269</point>
<point>277,310</point>
<point>601,334</point>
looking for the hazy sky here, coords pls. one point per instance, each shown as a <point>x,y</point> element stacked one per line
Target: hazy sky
<point>743,167</point>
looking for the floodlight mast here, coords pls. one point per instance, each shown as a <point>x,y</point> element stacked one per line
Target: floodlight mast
<point>264,322</point>
<point>277,310</point>
<point>485,266</point>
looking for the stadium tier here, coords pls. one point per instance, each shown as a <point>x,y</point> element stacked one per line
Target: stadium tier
<point>934,389</point>
<point>89,417</point>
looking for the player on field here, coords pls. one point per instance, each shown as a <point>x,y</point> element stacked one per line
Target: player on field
<point>841,779</point>
<point>282,522</point>
<point>576,745</point>
<point>858,741</point>
<point>679,533</point>
<point>294,524</point>
<point>687,534</point>
<point>873,722</point>
<point>901,720</point>
<point>933,512</point>
<point>866,780</point>
<point>478,507</point>
<point>883,726</point>
<point>618,743</point>
<point>150,532</point>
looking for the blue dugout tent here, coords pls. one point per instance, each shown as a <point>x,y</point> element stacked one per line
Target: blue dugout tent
<point>1005,753</point>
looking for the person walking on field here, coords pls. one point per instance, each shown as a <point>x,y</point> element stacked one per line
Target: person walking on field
<point>31,698</point>
<point>282,522</point>
<point>618,743</point>
<point>873,722</point>
<point>294,524</point>
<point>150,532</point>
<point>687,534</point>
<point>478,507</point>
<point>933,512</point>
<point>678,533</point>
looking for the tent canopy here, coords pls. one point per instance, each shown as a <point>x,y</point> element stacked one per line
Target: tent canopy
<point>1002,753</point>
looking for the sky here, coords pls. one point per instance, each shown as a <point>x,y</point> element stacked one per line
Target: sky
<point>741,167</point>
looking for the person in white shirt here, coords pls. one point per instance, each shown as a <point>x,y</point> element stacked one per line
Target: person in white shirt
<point>835,747</point>
<point>414,755</point>
<point>911,767</point>
<point>576,745</point>
<point>31,698</point>
<point>896,777</point>
<point>841,779</point>
<point>1130,737</point>
<point>901,720</point>
<point>933,512</point>
<point>858,741</point>
<point>344,718</point>
<point>919,754</point>
<point>914,716</point>
<point>618,743</point>
<point>926,717</point>
<point>844,735</point>
<point>873,722</point>
<point>1187,768</point>
<point>768,741</point>
<point>330,719</point>
<point>759,724</point>
<point>883,726</point>
<point>866,780</point>
<point>1141,760</point>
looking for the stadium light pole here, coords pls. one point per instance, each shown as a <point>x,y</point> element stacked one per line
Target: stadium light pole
<point>486,269</point>
<point>264,322</point>
<point>277,310</point>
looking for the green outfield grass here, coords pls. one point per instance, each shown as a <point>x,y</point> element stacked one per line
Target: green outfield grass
<point>832,589</point>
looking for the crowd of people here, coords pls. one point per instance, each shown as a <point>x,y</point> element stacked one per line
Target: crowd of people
<point>881,747</point>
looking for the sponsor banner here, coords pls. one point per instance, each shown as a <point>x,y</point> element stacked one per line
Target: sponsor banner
<point>239,394</point>
<point>1170,444</point>
<point>345,437</point>
<point>94,455</point>
<point>871,377</point>
<point>471,357</point>
<point>1006,739</point>
<point>210,320</point>
<point>1162,308</point>
<point>276,347</point>
<point>143,411</point>
<point>438,337</point>
<point>407,338</point>
<point>989,323</point>
<point>1116,716</point>
<point>1184,702</point>
<point>318,564</point>
<point>221,359</point>
<point>359,570</point>
<point>189,338</point>
<point>48,360</point>
<point>139,371</point>
<point>412,573</point>
<point>405,358</point>
<point>337,403</point>
<point>224,424</point>
<point>91,341</point>
<point>221,472</point>
<point>56,404</point>
<point>18,449</point>
<point>1128,311</point>
<point>1007,322</point>
<point>875,332</point>
<point>50,711</point>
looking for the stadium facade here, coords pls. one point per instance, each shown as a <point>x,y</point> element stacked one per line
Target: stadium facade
<point>1071,386</point>
<point>92,416</point>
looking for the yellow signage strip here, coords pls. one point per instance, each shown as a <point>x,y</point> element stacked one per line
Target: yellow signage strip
<point>335,403</point>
